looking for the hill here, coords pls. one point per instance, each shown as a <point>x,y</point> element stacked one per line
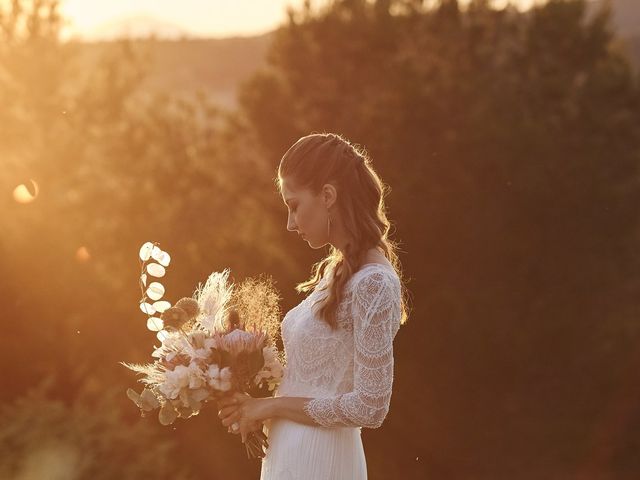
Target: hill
<point>626,21</point>
<point>218,66</point>
<point>214,66</point>
<point>626,17</point>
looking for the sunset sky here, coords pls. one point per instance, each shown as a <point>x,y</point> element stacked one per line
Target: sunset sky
<point>198,17</point>
<point>210,18</point>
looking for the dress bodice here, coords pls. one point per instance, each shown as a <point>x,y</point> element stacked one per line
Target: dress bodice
<point>348,371</point>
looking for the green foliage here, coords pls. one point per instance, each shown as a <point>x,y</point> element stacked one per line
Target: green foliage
<point>511,141</point>
<point>44,437</point>
<point>116,167</point>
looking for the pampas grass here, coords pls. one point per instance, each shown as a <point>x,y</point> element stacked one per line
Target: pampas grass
<point>257,303</point>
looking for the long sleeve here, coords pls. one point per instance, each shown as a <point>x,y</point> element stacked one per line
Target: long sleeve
<point>375,309</point>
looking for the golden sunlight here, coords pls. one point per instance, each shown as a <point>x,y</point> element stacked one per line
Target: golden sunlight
<point>206,18</point>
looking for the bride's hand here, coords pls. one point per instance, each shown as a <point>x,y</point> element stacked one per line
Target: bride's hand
<point>247,411</point>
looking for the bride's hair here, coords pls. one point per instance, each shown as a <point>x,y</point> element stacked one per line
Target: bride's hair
<point>321,158</point>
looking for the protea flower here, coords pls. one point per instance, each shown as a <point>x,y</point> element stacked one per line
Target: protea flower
<point>240,341</point>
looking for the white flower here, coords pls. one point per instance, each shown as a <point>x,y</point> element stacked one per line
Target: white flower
<point>214,371</point>
<point>196,376</point>
<point>175,380</point>
<point>205,351</point>
<point>223,386</point>
<point>272,370</point>
<point>225,374</point>
<point>220,379</point>
<point>168,348</point>
<point>271,361</point>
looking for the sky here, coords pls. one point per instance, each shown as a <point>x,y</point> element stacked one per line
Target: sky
<point>209,18</point>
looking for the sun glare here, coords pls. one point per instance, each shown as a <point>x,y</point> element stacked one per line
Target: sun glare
<point>206,18</point>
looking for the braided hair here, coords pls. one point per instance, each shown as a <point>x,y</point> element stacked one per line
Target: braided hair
<point>321,158</point>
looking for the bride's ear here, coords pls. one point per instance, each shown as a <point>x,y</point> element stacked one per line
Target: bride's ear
<point>329,195</point>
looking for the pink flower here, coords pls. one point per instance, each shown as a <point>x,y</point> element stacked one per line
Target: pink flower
<point>237,341</point>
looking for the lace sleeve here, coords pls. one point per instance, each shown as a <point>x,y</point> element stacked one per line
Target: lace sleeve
<point>376,315</point>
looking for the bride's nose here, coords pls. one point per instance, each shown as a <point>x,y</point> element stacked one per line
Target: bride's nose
<point>290,224</point>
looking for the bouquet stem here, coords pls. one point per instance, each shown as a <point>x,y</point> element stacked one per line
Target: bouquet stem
<point>255,444</point>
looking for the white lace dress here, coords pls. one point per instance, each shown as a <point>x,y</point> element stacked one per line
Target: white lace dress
<point>348,373</point>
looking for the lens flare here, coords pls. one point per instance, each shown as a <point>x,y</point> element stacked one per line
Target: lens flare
<point>26,192</point>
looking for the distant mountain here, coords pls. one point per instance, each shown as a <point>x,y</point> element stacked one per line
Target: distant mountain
<point>626,17</point>
<point>182,64</point>
<point>214,66</point>
<point>137,26</point>
<point>626,21</point>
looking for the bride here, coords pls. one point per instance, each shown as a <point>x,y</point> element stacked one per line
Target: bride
<point>339,340</point>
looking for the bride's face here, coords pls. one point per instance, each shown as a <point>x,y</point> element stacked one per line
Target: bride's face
<point>307,213</point>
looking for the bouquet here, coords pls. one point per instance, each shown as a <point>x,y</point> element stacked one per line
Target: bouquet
<point>220,341</point>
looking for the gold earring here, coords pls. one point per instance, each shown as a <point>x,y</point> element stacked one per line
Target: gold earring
<point>328,224</point>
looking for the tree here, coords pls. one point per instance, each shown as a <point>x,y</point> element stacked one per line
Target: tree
<point>511,142</point>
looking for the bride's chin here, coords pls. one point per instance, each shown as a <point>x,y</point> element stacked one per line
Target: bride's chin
<point>315,247</point>
<point>311,244</point>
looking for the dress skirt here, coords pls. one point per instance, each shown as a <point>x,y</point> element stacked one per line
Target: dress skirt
<point>304,452</point>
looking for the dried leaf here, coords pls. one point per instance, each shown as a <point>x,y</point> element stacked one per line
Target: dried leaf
<point>184,412</point>
<point>133,396</point>
<point>167,414</point>
<point>200,394</point>
<point>148,400</point>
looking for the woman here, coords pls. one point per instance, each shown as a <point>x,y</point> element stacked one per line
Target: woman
<point>339,340</point>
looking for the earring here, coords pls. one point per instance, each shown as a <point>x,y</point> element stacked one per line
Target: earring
<point>328,225</point>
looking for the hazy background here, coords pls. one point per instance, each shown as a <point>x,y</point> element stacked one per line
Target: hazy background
<point>510,138</point>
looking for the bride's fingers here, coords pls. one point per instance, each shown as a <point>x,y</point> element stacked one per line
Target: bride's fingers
<point>227,401</point>
<point>234,417</point>
<point>226,411</point>
<point>240,397</point>
<point>244,431</point>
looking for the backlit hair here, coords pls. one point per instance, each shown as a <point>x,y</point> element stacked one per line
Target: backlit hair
<point>321,158</point>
